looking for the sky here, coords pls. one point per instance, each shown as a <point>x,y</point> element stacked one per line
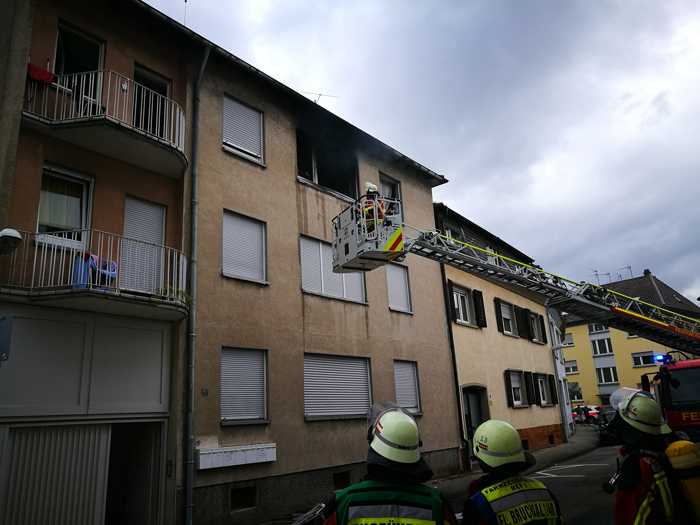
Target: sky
<point>569,129</point>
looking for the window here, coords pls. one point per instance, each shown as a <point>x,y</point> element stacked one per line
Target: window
<point>327,165</point>
<point>152,110</point>
<point>519,388</point>
<point>606,375</point>
<point>594,328</point>
<point>63,206</point>
<point>463,305</point>
<point>406,385</point>
<point>571,367</point>
<point>243,385</point>
<point>317,274</point>
<point>243,129</point>
<point>568,340</point>
<point>389,187</point>
<point>243,248</point>
<point>643,359</point>
<point>543,388</point>
<point>536,327</point>
<point>398,287</point>
<point>602,346</point>
<point>556,334</point>
<point>76,53</point>
<point>506,314</point>
<point>336,386</point>
<point>575,392</point>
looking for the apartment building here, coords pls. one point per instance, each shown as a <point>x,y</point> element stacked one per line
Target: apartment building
<point>501,343</point>
<point>600,359</point>
<point>289,354</point>
<point>92,300</point>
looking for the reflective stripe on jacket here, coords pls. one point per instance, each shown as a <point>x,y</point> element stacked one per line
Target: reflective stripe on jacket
<point>658,490</point>
<point>515,501</point>
<point>380,503</point>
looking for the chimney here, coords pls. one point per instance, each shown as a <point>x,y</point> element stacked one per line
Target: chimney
<point>647,272</point>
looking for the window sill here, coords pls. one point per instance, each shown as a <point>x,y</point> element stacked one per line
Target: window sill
<point>334,418</point>
<point>518,407</point>
<point>62,242</point>
<point>644,366</point>
<point>608,384</point>
<point>397,311</point>
<point>324,189</point>
<point>245,279</point>
<point>538,342</point>
<point>572,373</point>
<point>546,405</point>
<point>334,298</point>
<point>604,355</point>
<point>466,324</point>
<point>508,334</point>
<point>243,422</point>
<point>242,155</point>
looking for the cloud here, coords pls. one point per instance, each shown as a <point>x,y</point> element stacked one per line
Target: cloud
<point>567,128</point>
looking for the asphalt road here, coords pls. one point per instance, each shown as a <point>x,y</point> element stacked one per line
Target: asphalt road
<point>577,485</point>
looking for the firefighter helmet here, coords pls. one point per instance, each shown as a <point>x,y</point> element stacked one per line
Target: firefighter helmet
<point>497,443</point>
<point>394,436</point>
<point>640,410</point>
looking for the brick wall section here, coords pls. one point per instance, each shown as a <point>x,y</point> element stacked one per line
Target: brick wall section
<point>541,437</point>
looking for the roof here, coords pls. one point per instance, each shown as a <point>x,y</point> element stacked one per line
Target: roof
<point>434,179</point>
<point>653,290</point>
<point>499,244</point>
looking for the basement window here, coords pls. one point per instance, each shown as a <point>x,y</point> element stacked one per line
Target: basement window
<point>327,165</point>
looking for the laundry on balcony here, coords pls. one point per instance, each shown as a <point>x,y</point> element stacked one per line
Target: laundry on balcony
<point>40,74</point>
<point>93,271</point>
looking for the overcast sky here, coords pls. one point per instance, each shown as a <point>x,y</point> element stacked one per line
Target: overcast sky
<point>569,129</point>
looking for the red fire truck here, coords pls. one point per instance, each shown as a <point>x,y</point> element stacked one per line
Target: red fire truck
<point>678,386</point>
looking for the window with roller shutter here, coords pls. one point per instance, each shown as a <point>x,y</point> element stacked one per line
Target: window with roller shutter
<point>243,385</point>
<point>336,386</point>
<point>243,129</point>
<point>318,277</point>
<point>398,288</point>
<point>406,385</point>
<point>243,250</point>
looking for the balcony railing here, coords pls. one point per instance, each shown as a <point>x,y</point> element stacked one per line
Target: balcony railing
<point>97,261</point>
<point>107,94</point>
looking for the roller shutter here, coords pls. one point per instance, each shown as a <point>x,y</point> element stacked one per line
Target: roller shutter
<point>243,247</point>
<point>243,128</point>
<point>242,387</point>
<point>336,386</point>
<point>406,385</point>
<point>397,284</point>
<point>142,247</point>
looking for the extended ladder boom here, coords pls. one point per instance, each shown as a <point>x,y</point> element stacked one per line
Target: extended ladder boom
<point>371,233</point>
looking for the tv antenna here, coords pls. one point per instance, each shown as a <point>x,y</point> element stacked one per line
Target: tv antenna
<point>628,268</point>
<point>318,95</point>
<point>596,274</point>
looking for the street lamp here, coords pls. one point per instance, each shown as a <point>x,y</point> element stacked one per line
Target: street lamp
<point>9,240</point>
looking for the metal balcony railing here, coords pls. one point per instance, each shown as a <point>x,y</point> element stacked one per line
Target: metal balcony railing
<point>94,260</point>
<point>107,94</point>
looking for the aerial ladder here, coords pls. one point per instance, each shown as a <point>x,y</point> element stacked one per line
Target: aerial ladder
<point>371,233</point>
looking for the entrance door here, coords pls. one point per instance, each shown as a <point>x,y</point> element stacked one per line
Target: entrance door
<point>142,252</point>
<point>475,404</point>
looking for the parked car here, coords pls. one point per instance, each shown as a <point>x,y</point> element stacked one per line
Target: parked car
<point>605,435</point>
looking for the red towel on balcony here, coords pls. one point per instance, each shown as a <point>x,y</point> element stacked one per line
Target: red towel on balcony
<point>40,74</point>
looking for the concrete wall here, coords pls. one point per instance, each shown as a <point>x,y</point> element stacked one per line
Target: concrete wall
<point>286,322</point>
<point>483,354</point>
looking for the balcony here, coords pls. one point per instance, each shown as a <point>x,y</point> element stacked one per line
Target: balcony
<point>97,271</point>
<point>107,112</point>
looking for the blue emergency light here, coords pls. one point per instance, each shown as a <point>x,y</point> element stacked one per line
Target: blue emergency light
<point>659,358</point>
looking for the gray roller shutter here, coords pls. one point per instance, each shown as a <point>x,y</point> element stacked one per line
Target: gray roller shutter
<point>243,128</point>
<point>311,280</point>
<point>243,249</point>
<point>142,250</point>
<point>317,274</point>
<point>406,385</point>
<point>354,286</point>
<point>397,284</point>
<point>332,282</point>
<point>336,386</point>
<point>57,475</point>
<point>242,387</point>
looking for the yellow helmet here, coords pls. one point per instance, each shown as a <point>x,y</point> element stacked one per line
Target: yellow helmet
<point>683,454</point>
<point>497,443</point>
<point>641,411</point>
<point>395,437</point>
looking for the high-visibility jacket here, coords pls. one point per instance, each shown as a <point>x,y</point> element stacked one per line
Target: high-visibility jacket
<point>513,501</point>
<point>643,494</point>
<point>373,502</point>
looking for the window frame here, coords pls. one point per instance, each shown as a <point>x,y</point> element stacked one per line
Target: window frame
<point>642,364</point>
<point>322,293</point>
<point>536,327</point>
<point>574,368</point>
<point>543,389</point>
<point>568,339</point>
<point>513,332</point>
<point>384,178</point>
<point>264,280</point>
<point>419,409</point>
<point>523,402</point>
<point>608,345</point>
<point>408,290</point>
<point>314,180</point>
<point>226,422</point>
<point>468,296</point>
<point>87,184</point>
<point>63,26</point>
<point>237,150</point>
<point>600,375</point>
<point>578,389</point>
<point>601,328</point>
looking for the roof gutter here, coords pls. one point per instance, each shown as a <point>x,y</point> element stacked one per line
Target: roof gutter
<point>192,319</point>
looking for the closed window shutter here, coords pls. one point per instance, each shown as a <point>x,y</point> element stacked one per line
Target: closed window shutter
<point>553,389</point>
<point>142,256</point>
<point>332,282</point>
<point>406,385</point>
<point>530,387</point>
<point>336,386</point>
<point>243,128</point>
<point>243,247</point>
<point>543,328</point>
<point>522,316</point>
<point>242,386</point>
<point>354,286</point>
<point>479,311</point>
<point>509,388</point>
<point>397,284</point>
<point>454,307</point>
<point>310,265</point>
<point>499,315</point>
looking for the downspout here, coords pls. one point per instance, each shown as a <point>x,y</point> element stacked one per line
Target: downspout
<point>560,393</point>
<point>448,317</point>
<point>192,319</point>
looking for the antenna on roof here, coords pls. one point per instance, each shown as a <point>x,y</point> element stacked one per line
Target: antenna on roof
<point>609,276</point>
<point>628,268</point>
<point>597,276</point>
<point>185,20</point>
<point>318,95</point>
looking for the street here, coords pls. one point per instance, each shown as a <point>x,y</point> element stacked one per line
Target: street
<point>577,485</point>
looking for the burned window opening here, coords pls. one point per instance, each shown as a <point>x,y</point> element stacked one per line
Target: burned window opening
<point>327,165</point>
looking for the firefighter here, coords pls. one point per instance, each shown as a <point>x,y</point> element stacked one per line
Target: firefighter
<point>502,495</point>
<point>393,490</point>
<point>644,492</point>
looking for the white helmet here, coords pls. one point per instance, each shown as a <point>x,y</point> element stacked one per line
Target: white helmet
<point>395,437</point>
<point>497,443</point>
<point>640,410</point>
